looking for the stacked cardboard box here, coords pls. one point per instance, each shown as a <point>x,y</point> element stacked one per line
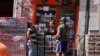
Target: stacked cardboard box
<point>93,44</point>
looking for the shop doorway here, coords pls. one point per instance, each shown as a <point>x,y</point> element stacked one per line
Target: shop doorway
<point>44,16</point>
<point>53,11</point>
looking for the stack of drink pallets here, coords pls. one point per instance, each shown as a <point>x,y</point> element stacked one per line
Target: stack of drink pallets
<point>93,44</point>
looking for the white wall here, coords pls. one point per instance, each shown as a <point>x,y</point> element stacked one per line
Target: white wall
<point>17,8</point>
<point>81,24</point>
<point>93,23</point>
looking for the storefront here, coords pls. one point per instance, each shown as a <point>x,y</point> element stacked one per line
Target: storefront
<point>45,11</point>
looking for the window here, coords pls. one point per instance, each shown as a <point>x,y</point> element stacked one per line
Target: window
<point>6,8</point>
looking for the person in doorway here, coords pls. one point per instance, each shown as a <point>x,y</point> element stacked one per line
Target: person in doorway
<point>32,40</point>
<point>50,32</point>
<point>51,28</point>
<point>62,37</point>
<point>72,33</point>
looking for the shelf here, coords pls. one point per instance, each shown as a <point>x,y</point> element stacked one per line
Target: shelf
<point>45,16</point>
<point>93,44</point>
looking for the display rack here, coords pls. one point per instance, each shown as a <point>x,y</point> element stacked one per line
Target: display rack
<point>93,44</point>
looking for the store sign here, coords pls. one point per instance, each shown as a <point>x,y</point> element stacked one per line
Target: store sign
<point>59,2</point>
<point>64,2</point>
<point>96,2</point>
<point>44,1</point>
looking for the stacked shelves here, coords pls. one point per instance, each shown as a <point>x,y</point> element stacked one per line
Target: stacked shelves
<point>93,44</point>
<point>45,42</point>
<point>45,15</point>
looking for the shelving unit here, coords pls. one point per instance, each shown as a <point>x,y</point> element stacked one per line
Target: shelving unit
<point>93,44</point>
<point>43,18</point>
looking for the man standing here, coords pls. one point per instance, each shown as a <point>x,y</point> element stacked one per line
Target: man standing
<point>32,40</point>
<point>62,37</point>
